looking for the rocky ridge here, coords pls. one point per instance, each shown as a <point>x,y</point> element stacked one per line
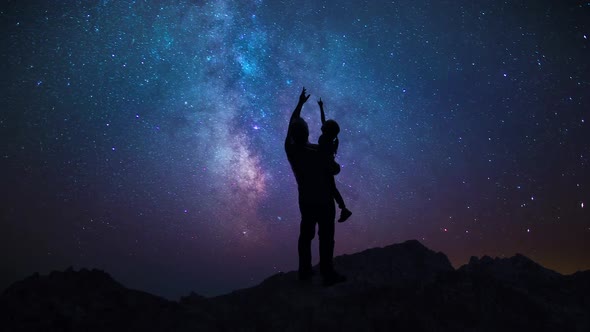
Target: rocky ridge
<point>403,286</point>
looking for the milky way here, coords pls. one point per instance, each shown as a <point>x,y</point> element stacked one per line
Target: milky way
<point>146,138</point>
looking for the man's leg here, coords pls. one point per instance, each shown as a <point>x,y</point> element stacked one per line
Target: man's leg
<point>326,235</point>
<point>306,235</point>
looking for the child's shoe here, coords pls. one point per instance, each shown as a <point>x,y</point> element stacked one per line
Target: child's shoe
<point>344,214</point>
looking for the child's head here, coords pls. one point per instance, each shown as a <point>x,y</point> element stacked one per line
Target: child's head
<point>331,129</point>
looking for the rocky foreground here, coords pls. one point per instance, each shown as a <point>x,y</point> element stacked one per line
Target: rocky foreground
<point>402,287</point>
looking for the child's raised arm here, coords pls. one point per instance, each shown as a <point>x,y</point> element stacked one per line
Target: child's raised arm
<point>321,103</point>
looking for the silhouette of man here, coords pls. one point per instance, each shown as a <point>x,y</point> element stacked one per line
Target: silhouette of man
<point>316,200</point>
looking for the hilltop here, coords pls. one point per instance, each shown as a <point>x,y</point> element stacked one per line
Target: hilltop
<point>403,286</point>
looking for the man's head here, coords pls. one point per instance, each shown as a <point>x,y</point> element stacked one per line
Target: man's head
<point>299,131</point>
<point>331,129</point>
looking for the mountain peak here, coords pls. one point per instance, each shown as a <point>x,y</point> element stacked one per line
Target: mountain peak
<point>517,270</point>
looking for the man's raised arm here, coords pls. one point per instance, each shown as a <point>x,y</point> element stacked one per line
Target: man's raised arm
<point>296,113</point>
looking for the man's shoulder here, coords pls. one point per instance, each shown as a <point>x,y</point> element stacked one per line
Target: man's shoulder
<point>302,153</point>
<point>310,150</point>
<point>302,147</point>
<point>312,147</point>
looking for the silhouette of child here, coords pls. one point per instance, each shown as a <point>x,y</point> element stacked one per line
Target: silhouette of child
<point>328,145</point>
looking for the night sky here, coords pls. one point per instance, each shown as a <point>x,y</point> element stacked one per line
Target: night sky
<point>145,138</point>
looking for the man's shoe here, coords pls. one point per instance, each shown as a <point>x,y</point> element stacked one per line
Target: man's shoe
<point>305,275</point>
<point>333,278</point>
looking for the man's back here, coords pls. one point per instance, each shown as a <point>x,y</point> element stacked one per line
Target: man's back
<point>310,172</point>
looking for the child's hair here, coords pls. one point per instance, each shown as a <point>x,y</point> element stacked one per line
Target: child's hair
<point>331,128</point>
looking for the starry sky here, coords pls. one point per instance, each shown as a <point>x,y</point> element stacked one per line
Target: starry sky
<point>145,138</point>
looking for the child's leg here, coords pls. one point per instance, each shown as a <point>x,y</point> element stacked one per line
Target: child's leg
<point>345,214</point>
<point>337,196</point>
